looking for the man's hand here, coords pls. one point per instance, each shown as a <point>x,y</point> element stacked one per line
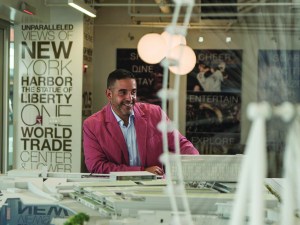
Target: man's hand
<point>155,169</point>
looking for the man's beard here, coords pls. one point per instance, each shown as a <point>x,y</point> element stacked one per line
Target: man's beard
<point>126,107</point>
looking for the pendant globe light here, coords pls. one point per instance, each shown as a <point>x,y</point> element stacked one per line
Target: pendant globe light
<point>173,40</point>
<point>152,48</point>
<point>184,58</point>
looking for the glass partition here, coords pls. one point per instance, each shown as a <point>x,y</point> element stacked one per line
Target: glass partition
<point>4,101</point>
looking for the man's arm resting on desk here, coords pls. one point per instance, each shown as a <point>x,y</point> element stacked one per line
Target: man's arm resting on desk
<point>155,169</point>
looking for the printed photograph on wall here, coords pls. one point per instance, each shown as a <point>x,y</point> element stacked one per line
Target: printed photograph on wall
<point>216,71</point>
<point>279,76</point>
<point>278,81</point>
<point>149,77</point>
<point>213,103</point>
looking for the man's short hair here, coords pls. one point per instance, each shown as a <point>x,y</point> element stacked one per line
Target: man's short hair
<point>118,74</point>
<point>204,64</point>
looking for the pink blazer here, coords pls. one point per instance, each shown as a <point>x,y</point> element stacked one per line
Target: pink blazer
<point>105,149</point>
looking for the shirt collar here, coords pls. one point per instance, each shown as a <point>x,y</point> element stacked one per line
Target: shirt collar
<point>119,120</point>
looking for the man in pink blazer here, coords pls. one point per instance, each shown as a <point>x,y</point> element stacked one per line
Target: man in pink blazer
<point>123,136</point>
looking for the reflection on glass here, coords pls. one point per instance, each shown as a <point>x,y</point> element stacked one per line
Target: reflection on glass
<point>10,103</point>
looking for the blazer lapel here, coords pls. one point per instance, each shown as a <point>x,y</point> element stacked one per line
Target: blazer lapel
<point>116,133</point>
<point>141,134</point>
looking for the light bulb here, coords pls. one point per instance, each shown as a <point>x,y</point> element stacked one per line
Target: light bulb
<point>152,48</point>
<point>173,40</point>
<point>185,59</point>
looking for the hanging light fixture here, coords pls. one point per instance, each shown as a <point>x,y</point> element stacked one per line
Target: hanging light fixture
<point>173,40</point>
<point>152,48</point>
<point>81,6</point>
<point>184,58</point>
<point>77,4</point>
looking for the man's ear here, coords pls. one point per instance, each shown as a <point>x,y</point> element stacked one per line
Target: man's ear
<point>108,94</point>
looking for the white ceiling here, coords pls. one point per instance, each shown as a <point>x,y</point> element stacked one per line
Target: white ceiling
<point>273,15</point>
<point>250,14</point>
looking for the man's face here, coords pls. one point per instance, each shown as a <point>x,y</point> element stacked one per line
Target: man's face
<point>222,66</point>
<point>122,96</point>
<point>201,68</point>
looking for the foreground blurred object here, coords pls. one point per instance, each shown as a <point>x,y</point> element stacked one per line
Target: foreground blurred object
<point>251,181</point>
<point>291,186</point>
<point>252,195</point>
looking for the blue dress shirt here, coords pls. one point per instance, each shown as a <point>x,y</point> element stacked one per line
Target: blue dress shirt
<point>130,139</point>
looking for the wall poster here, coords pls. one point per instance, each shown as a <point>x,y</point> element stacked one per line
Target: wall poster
<point>213,103</point>
<point>87,83</point>
<point>148,76</point>
<point>278,81</point>
<point>49,88</point>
